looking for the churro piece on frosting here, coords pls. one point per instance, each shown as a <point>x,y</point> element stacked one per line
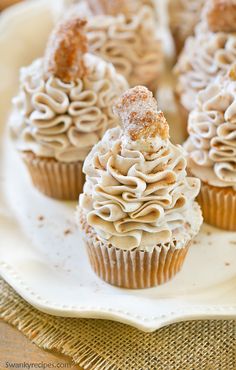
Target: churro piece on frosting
<point>221,15</point>
<point>114,7</point>
<point>141,119</point>
<point>65,50</point>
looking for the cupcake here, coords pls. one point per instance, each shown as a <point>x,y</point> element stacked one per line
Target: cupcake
<point>209,53</point>
<point>183,17</point>
<point>99,6</point>
<point>125,34</point>
<point>211,149</point>
<point>62,110</point>
<point>137,211</point>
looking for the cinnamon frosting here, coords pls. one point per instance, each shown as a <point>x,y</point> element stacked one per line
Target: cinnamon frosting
<point>212,129</point>
<point>65,100</point>
<point>205,56</point>
<point>129,40</point>
<point>137,194</point>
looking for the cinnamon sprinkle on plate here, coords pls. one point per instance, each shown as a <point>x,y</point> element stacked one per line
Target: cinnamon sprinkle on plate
<point>67,232</point>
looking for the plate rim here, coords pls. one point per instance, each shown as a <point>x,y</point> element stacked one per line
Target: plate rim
<point>143,323</point>
<point>147,324</point>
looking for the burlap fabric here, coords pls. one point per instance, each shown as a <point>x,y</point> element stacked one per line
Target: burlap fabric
<point>100,344</point>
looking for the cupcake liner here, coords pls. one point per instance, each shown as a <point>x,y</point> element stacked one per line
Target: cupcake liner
<point>218,206</point>
<point>183,113</point>
<point>133,269</point>
<point>57,180</point>
<point>153,85</point>
<point>179,44</point>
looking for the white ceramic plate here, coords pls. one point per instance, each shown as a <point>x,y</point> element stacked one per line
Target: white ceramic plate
<point>41,252</point>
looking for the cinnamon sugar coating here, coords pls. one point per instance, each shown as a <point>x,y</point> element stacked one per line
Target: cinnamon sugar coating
<point>221,15</point>
<point>138,94</point>
<point>65,50</point>
<point>149,125</point>
<point>113,7</point>
<point>138,111</point>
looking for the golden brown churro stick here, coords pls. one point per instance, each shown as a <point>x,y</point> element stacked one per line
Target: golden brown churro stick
<point>65,50</point>
<point>138,112</point>
<point>221,15</point>
<point>5,3</point>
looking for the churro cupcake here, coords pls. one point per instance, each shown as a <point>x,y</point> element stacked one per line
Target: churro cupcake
<point>183,17</point>
<point>125,34</point>
<point>209,53</point>
<point>211,149</point>
<point>137,211</point>
<point>63,108</point>
<point>99,6</point>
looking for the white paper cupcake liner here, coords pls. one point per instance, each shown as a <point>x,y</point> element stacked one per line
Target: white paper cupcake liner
<point>218,206</point>
<point>133,269</point>
<point>58,180</point>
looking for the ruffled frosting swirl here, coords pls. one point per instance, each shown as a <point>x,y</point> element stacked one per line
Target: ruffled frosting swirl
<point>212,129</point>
<point>205,56</point>
<point>136,199</point>
<point>62,120</point>
<point>130,43</point>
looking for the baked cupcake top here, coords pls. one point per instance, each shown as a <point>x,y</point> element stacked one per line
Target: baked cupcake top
<point>183,17</point>
<point>125,34</point>
<point>65,99</point>
<point>209,53</point>
<point>212,129</point>
<point>137,194</point>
